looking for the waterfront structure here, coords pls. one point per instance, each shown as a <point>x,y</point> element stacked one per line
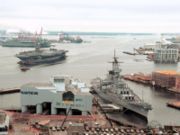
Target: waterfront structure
<point>164,79</point>
<point>63,95</point>
<point>166,55</point>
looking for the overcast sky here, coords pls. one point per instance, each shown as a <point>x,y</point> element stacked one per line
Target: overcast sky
<point>92,15</point>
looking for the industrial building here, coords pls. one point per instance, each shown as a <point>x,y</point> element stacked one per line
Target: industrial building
<point>166,55</point>
<point>178,82</point>
<point>63,95</point>
<point>165,79</point>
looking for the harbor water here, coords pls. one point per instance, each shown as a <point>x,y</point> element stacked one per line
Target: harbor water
<point>90,60</point>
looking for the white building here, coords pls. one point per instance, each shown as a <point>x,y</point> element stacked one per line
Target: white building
<point>166,55</point>
<point>60,96</point>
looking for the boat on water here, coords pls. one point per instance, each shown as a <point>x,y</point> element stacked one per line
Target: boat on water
<point>65,38</point>
<point>39,56</point>
<point>25,39</point>
<point>24,68</point>
<point>114,90</point>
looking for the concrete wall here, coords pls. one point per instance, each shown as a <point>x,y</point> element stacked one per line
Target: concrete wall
<point>33,99</point>
<point>10,101</point>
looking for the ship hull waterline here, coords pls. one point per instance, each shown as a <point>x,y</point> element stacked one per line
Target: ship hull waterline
<point>41,61</point>
<point>128,110</point>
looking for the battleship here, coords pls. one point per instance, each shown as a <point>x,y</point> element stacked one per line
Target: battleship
<point>39,56</point>
<point>115,91</point>
<point>26,40</point>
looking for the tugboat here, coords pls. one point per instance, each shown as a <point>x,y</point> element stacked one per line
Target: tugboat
<point>39,56</point>
<point>113,90</point>
<point>65,38</point>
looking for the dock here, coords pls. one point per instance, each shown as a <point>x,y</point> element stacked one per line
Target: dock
<point>139,78</point>
<point>129,53</point>
<point>173,90</point>
<point>167,80</point>
<point>174,104</point>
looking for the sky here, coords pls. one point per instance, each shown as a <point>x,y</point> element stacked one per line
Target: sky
<point>92,15</point>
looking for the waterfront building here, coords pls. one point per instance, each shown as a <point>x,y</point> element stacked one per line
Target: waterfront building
<point>165,78</point>
<point>63,95</point>
<point>166,55</point>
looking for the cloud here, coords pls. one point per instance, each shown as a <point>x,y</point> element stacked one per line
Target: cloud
<point>99,15</point>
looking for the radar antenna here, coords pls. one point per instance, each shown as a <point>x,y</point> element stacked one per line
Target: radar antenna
<point>115,58</point>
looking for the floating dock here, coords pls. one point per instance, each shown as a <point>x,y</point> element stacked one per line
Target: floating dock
<point>174,104</point>
<point>139,78</point>
<point>168,80</point>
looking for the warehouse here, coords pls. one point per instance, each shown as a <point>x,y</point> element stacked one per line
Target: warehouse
<point>61,96</point>
<point>165,79</point>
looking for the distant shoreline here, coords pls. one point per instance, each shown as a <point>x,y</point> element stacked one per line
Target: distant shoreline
<point>52,32</point>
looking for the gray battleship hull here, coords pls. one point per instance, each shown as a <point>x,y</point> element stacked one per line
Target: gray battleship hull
<point>41,61</point>
<point>113,98</point>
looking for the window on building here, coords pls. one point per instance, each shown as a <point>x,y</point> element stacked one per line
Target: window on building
<point>68,96</point>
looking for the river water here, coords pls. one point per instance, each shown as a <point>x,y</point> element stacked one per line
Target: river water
<point>90,60</point>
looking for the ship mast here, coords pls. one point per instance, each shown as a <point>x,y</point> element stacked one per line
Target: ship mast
<point>38,45</point>
<point>114,74</point>
<point>115,64</point>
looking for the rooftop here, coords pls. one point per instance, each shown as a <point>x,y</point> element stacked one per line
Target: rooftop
<point>73,87</point>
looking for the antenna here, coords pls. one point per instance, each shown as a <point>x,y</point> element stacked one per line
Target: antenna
<point>114,53</point>
<point>115,58</point>
<point>41,31</point>
<point>161,40</point>
<point>142,95</point>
